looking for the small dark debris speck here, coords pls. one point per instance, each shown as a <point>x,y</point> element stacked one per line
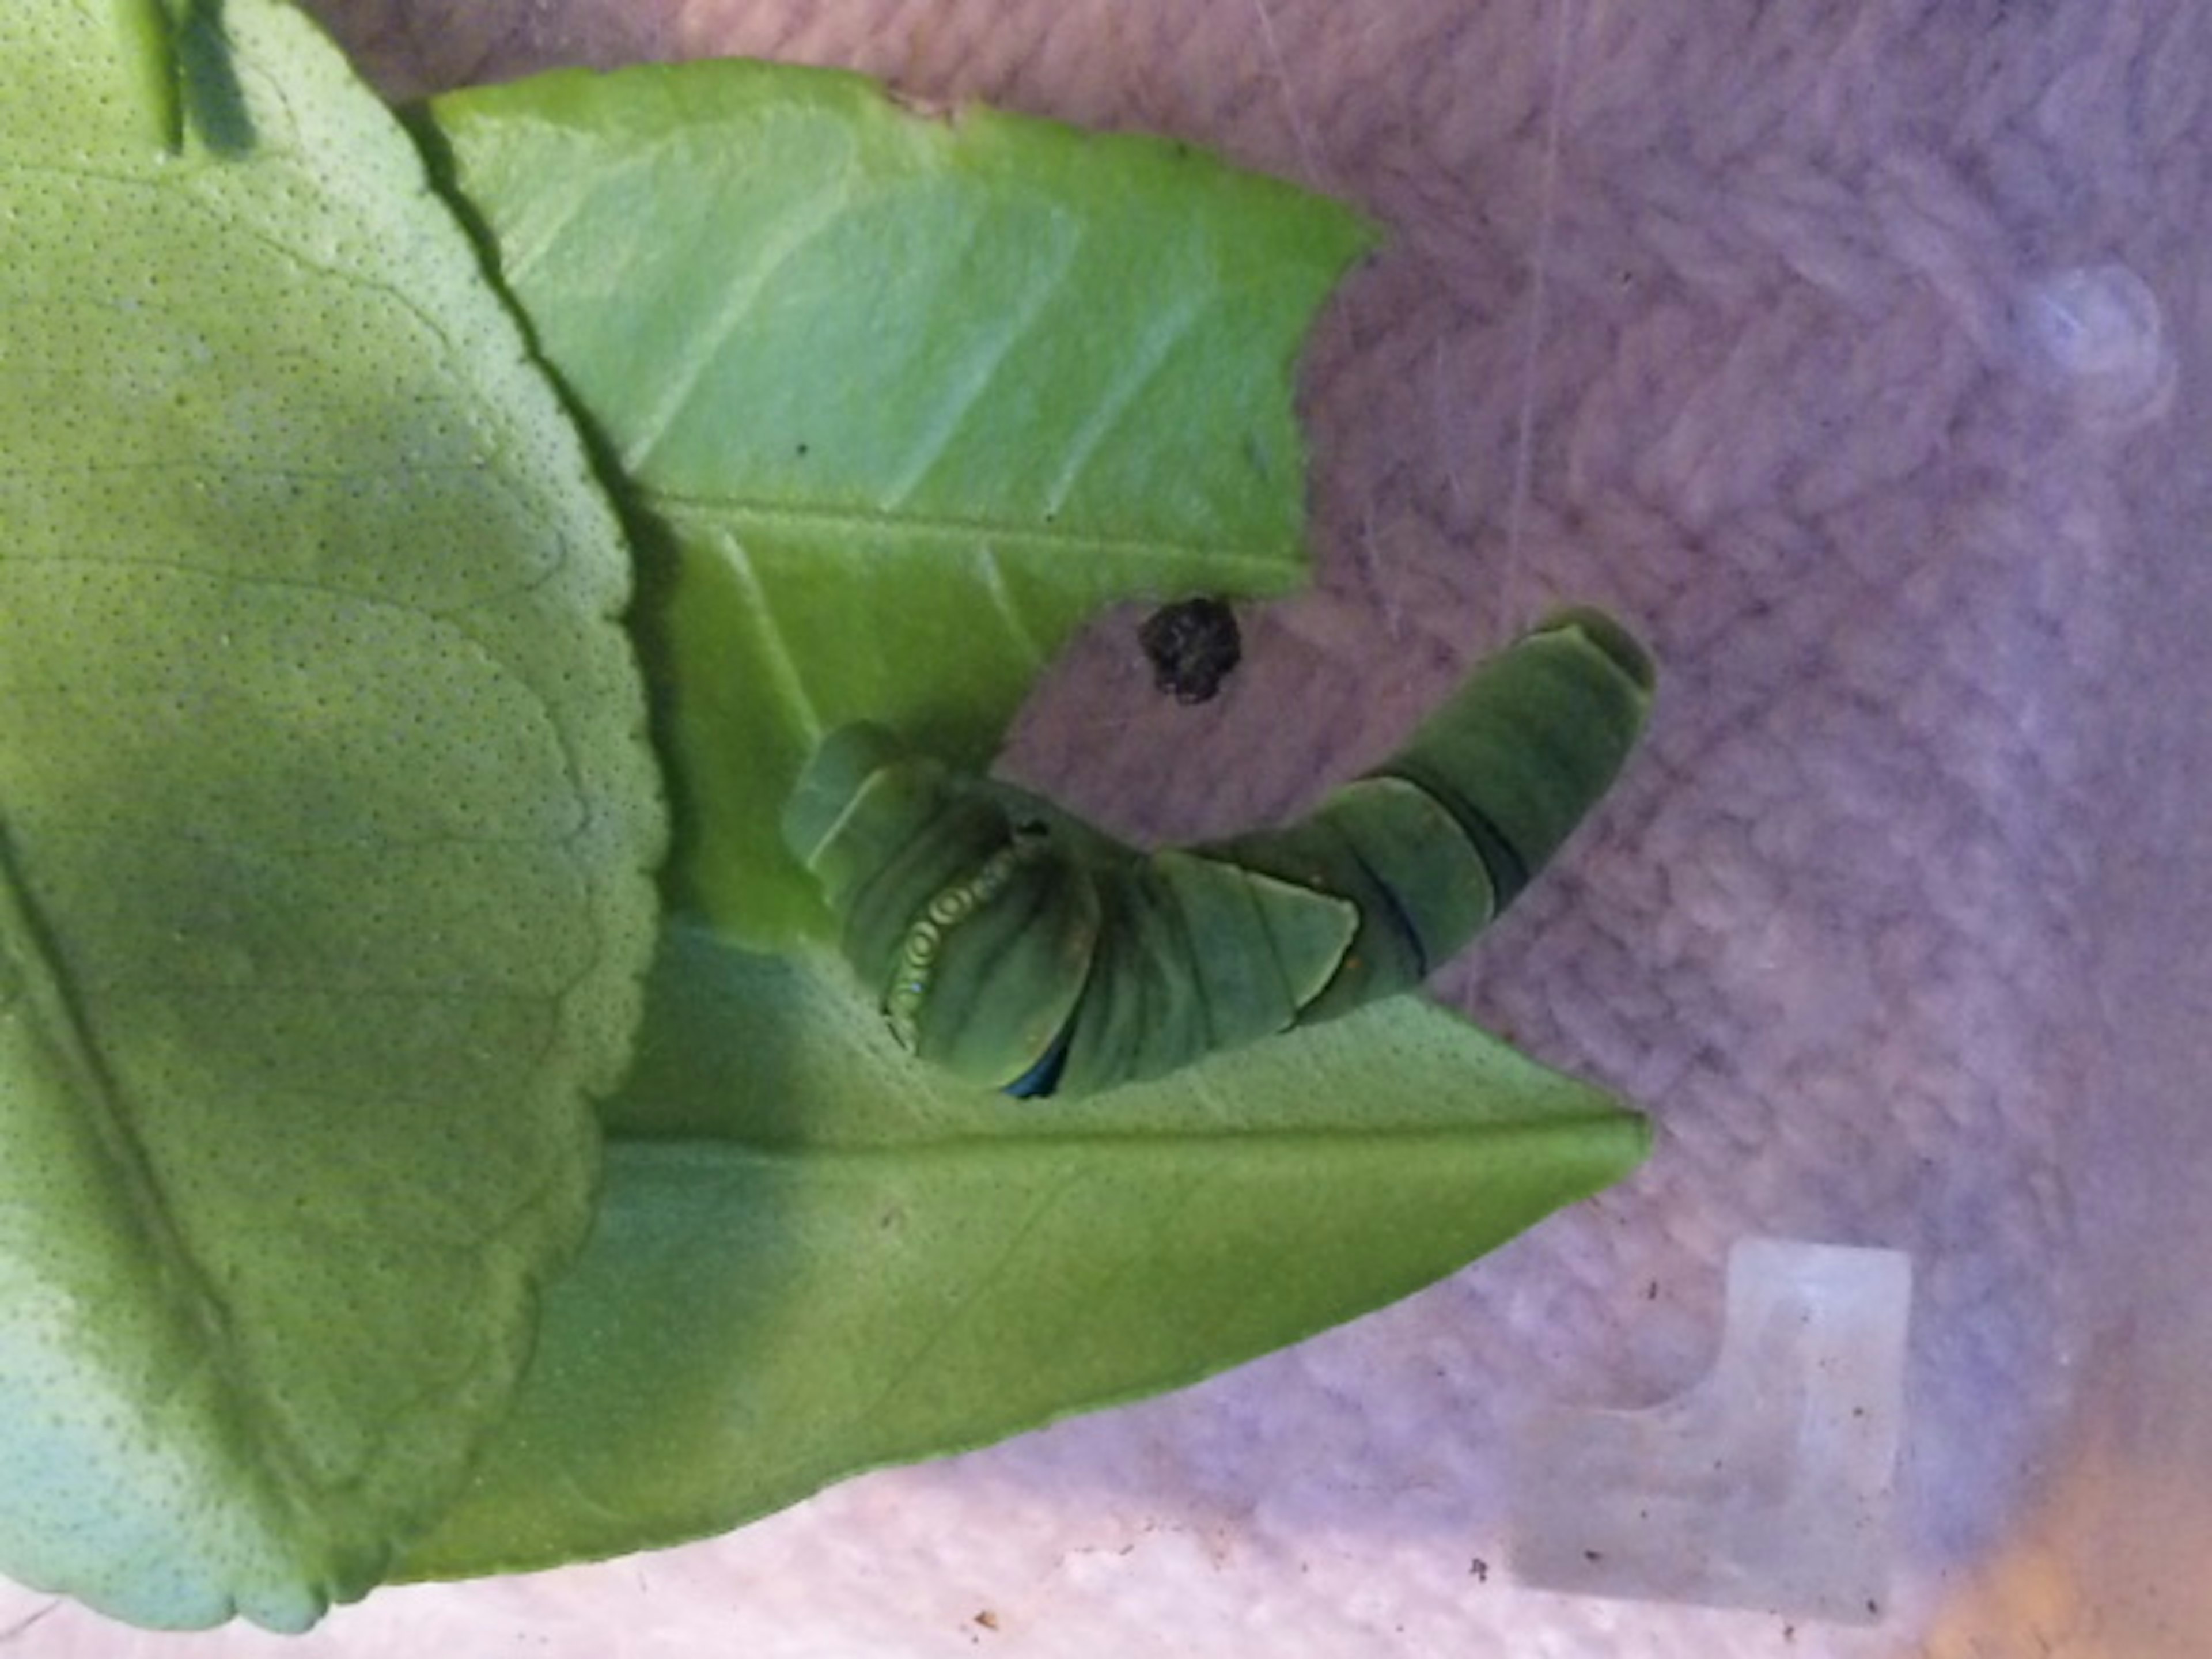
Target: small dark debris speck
<point>1193,645</point>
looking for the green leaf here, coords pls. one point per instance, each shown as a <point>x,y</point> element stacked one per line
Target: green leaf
<point>324,823</point>
<point>902,398</point>
<point>815,1256</point>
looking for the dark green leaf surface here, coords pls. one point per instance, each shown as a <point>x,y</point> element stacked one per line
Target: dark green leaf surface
<point>324,823</point>
<point>900,398</point>
<point>815,1256</point>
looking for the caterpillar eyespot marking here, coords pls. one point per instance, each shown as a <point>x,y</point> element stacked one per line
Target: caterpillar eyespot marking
<point>926,937</point>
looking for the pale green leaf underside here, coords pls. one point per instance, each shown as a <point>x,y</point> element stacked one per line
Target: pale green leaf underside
<point>324,825</point>
<point>815,1256</point>
<point>901,399</point>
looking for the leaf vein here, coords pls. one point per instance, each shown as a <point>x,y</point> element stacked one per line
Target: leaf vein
<point>1142,367</point>
<point>780,666</point>
<point>976,1291</point>
<point>984,359</point>
<point>714,334</point>
<point>1277,566</point>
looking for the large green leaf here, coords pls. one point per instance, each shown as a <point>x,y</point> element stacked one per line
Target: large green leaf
<point>815,1256</point>
<point>325,823</point>
<point>900,398</point>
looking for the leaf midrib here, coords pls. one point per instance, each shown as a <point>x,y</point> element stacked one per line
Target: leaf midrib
<point>1272,568</point>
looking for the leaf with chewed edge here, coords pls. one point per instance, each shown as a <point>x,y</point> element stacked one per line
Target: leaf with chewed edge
<point>899,400</point>
<point>325,822</point>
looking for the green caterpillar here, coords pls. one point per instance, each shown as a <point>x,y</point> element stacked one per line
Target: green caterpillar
<point>1020,948</point>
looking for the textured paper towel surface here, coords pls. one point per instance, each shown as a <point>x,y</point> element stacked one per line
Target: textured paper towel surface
<point>1856,351</point>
